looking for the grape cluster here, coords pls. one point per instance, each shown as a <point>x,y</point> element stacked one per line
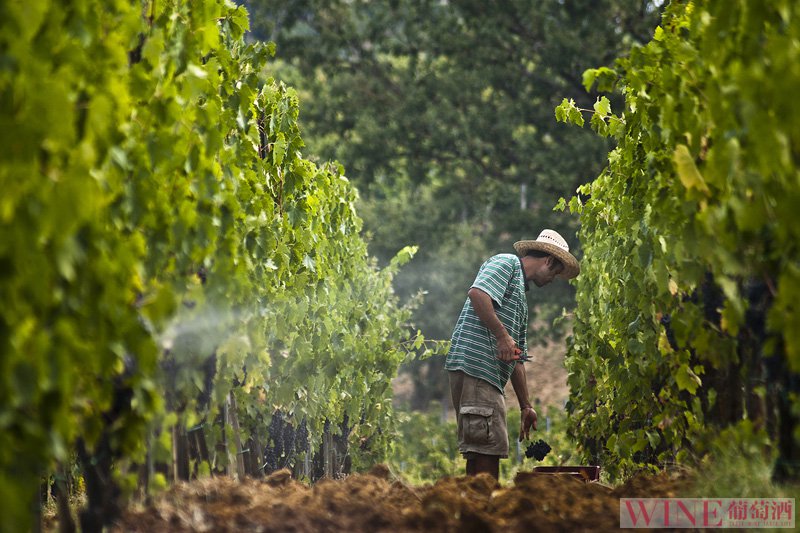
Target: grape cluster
<point>538,450</point>
<point>301,437</point>
<point>280,449</point>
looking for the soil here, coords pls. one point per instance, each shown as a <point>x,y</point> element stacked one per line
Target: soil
<point>379,502</point>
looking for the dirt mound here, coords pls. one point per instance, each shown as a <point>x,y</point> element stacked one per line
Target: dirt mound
<point>377,502</point>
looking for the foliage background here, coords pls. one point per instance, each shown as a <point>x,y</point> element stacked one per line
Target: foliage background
<point>443,115</point>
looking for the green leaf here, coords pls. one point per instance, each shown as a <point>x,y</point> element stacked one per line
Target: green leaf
<point>588,78</point>
<point>686,379</point>
<point>240,21</point>
<point>606,79</point>
<point>402,257</point>
<point>653,438</point>
<point>732,317</point>
<point>574,114</point>
<point>602,106</point>
<point>561,111</point>
<point>279,149</point>
<point>599,125</point>
<point>616,127</point>
<point>687,170</point>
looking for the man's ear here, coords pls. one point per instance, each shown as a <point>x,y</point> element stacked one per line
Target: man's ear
<point>553,263</point>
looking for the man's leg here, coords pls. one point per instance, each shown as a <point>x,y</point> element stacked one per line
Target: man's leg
<point>484,434</point>
<point>480,463</point>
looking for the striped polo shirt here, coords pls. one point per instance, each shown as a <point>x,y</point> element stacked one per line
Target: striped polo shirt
<point>473,347</point>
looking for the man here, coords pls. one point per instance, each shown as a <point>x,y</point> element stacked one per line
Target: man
<point>489,345</point>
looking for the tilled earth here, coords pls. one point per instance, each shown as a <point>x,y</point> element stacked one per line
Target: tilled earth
<point>377,502</point>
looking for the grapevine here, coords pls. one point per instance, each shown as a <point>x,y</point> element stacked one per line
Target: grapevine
<point>685,332</point>
<point>168,258</point>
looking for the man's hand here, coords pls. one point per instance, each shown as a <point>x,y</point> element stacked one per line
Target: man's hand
<point>482,304</point>
<point>529,419</point>
<point>507,349</point>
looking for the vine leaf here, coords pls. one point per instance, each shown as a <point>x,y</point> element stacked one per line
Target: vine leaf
<point>687,380</point>
<point>687,170</point>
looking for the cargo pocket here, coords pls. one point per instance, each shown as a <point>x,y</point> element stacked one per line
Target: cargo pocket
<point>476,422</point>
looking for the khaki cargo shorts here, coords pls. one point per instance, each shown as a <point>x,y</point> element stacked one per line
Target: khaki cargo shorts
<point>481,412</point>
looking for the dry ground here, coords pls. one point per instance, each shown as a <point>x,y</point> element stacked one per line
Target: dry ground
<point>376,502</point>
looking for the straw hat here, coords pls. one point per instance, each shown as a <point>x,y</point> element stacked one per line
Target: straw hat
<point>551,242</point>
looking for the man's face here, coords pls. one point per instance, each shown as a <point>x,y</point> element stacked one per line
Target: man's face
<point>547,271</point>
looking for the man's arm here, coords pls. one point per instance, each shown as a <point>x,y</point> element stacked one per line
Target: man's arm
<point>484,308</point>
<point>529,417</point>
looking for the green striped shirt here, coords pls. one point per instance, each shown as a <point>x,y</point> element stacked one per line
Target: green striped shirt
<point>473,347</point>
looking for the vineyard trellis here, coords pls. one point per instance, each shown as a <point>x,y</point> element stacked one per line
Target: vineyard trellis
<point>686,324</point>
<point>176,278</point>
